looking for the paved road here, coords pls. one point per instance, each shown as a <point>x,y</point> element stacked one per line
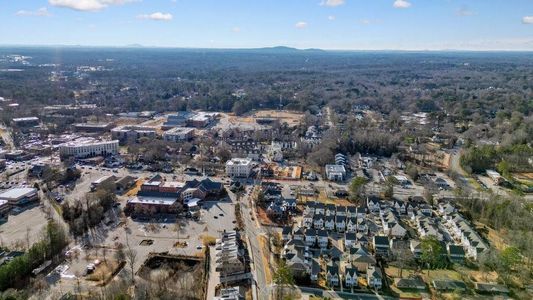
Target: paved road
<point>253,232</point>
<point>337,294</point>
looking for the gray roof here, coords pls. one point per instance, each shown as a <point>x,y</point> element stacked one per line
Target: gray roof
<point>17,193</point>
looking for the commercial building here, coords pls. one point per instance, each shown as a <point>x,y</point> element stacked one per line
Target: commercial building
<point>132,133</point>
<point>335,172</point>
<point>159,196</point>
<point>187,118</point>
<point>93,127</point>
<point>87,147</point>
<point>178,134</point>
<point>26,122</point>
<point>19,196</point>
<point>239,167</point>
<point>178,119</point>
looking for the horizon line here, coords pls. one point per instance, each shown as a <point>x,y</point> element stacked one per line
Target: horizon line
<point>140,46</point>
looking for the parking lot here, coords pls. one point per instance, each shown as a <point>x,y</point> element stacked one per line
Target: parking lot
<point>19,228</point>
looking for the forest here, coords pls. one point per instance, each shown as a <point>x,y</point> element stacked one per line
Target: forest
<point>462,86</point>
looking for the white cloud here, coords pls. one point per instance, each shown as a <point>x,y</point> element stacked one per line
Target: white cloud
<point>301,25</point>
<point>527,20</point>
<point>331,18</point>
<point>157,16</point>
<point>401,4</point>
<point>365,21</point>
<point>88,5</point>
<point>41,12</point>
<point>332,3</point>
<point>236,29</point>
<point>464,11</point>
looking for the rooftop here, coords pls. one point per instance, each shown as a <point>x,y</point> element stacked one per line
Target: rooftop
<point>16,193</point>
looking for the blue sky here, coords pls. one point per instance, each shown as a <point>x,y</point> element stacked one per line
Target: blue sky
<point>326,24</point>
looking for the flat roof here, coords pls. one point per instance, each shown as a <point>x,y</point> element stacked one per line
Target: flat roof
<point>239,161</point>
<point>178,130</point>
<point>26,119</point>
<point>335,168</point>
<point>87,141</point>
<point>17,193</point>
<point>153,200</point>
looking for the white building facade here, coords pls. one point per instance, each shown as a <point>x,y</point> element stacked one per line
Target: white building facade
<point>239,167</point>
<point>88,148</point>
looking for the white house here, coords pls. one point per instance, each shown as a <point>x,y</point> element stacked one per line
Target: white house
<point>373,277</point>
<point>239,167</point>
<point>335,172</point>
<point>350,277</point>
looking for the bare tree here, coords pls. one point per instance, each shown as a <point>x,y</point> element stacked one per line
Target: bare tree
<point>131,257</point>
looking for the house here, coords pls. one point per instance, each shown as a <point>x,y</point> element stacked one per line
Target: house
<point>425,209</point>
<point>340,223</point>
<point>415,283</point>
<point>307,220</point>
<point>372,204</point>
<point>297,263</point>
<point>318,221</point>
<point>373,277</point>
<point>400,207</point>
<point>456,253</point>
<point>329,223</point>
<point>341,211</point>
<point>350,277</point>
<point>416,248</point>
<point>361,258</point>
<point>445,208</point>
<point>381,245</point>
<point>441,183</point>
<point>362,225</point>
<point>351,225</point>
<point>286,233</point>
<point>349,240</point>
<point>448,285</point>
<point>320,208</point>
<point>298,234</point>
<point>332,275</point>
<point>322,238</point>
<point>330,210</point>
<point>315,270</point>
<point>362,239</point>
<point>335,172</point>
<point>351,211</point>
<point>310,237</point>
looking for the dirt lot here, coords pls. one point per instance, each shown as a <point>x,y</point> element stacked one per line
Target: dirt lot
<point>180,274</point>
<point>289,117</point>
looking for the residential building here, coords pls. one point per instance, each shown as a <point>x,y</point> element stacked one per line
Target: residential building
<point>374,277</point>
<point>350,277</point>
<point>132,133</point>
<point>335,172</point>
<point>178,134</point>
<point>332,275</point>
<point>239,167</point>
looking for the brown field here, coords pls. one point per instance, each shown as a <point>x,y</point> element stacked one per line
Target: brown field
<point>292,118</point>
<point>526,178</point>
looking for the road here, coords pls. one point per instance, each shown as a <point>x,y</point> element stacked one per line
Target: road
<point>253,232</point>
<point>337,294</point>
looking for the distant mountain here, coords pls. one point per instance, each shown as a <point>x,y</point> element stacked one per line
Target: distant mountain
<point>282,50</point>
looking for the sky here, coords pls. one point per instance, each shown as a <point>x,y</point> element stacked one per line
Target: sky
<point>325,24</point>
